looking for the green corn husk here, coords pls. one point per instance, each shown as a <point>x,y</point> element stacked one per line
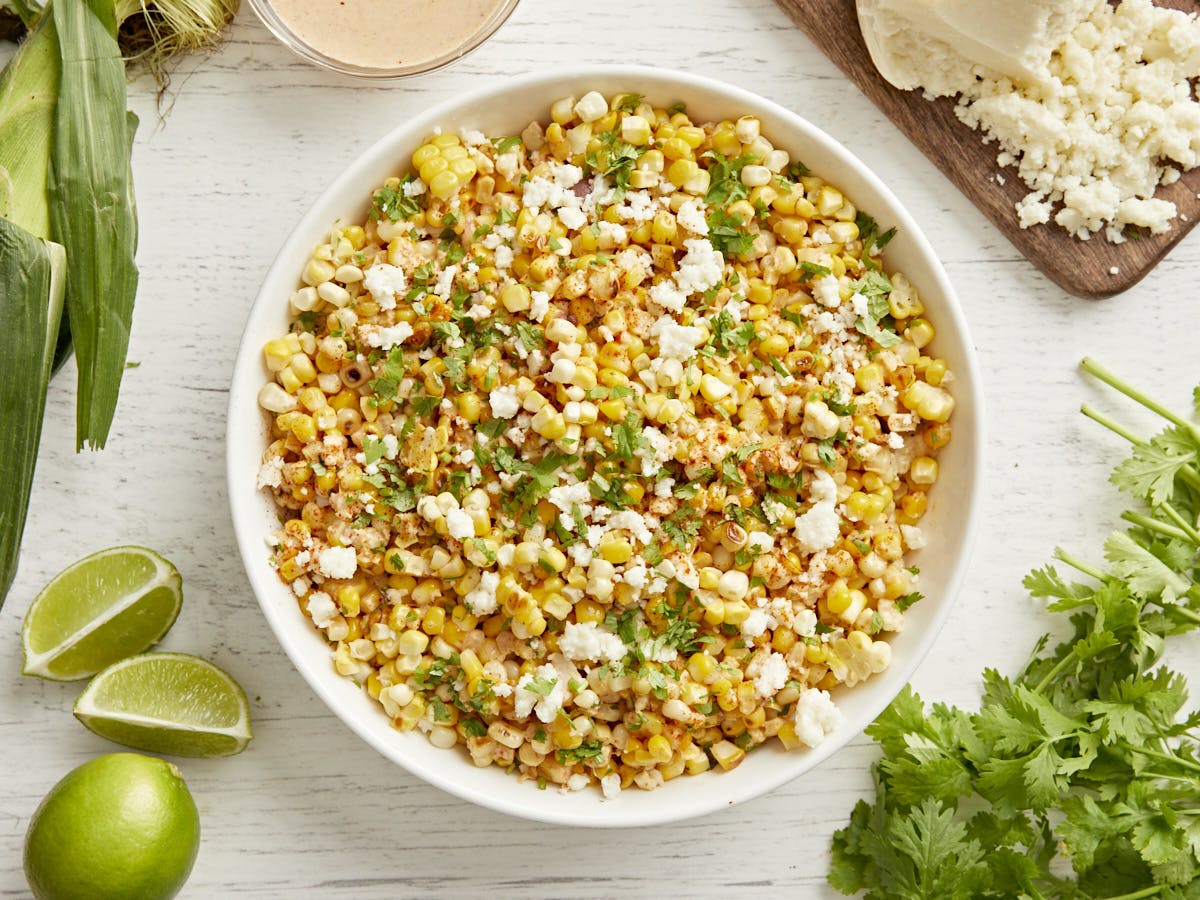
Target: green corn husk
<point>28,94</point>
<point>91,205</point>
<point>31,299</point>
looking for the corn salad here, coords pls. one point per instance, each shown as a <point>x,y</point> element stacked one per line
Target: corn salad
<point>599,448</point>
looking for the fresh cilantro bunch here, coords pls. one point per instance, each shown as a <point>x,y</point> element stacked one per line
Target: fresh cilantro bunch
<point>1080,777</point>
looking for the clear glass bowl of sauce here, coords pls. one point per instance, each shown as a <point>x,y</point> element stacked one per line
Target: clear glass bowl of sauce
<point>383,38</point>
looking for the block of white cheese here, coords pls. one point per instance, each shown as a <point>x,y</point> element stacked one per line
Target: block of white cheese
<point>941,45</point>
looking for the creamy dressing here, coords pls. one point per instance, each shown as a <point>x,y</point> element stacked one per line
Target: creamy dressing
<point>386,34</point>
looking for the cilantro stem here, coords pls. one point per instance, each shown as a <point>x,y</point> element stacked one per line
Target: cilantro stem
<point>1165,757</point>
<point>1059,668</point>
<point>1174,516</point>
<point>1143,521</point>
<point>1096,416</point>
<point>1091,366</point>
<point>1190,476</point>
<point>1144,892</point>
<point>1080,565</point>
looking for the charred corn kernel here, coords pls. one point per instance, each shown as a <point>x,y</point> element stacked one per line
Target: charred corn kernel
<point>938,436</point>
<point>349,597</point>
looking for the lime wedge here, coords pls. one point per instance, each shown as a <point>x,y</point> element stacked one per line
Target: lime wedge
<point>170,703</point>
<point>103,608</point>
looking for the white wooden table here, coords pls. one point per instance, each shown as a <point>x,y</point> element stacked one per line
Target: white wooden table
<point>309,811</point>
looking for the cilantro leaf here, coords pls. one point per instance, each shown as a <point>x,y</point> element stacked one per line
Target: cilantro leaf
<point>727,233</point>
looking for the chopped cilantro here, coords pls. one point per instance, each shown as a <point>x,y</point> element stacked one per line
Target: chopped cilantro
<point>728,234</point>
<point>530,335</point>
<point>727,337</point>
<point>540,686</point>
<point>628,436</point>
<point>507,144</point>
<point>393,204</point>
<point>682,526</point>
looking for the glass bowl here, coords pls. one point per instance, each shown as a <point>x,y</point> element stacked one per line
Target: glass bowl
<point>320,53</point>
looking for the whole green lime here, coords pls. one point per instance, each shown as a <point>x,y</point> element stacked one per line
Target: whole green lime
<point>120,827</point>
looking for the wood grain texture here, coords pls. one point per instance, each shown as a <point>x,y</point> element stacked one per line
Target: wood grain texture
<point>309,812</point>
<point>1092,268</point>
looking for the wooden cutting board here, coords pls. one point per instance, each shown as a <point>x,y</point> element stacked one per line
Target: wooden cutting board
<point>1092,268</point>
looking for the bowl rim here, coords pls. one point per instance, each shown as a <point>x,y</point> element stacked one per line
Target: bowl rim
<point>282,32</point>
<point>247,378</point>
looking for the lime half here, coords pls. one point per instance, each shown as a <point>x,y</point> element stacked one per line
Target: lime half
<point>167,703</point>
<point>103,608</point>
<point>121,826</point>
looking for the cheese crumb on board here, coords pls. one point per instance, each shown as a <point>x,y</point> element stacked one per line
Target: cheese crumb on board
<point>1093,104</point>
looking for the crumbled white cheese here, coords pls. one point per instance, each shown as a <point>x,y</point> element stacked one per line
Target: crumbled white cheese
<point>459,524</point>
<point>826,291</point>
<point>818,527</point>
<point>504,402</point>
<point>389,336</point>
<point>914,538</point>
<point>676,341</point>
<point>270,473</point>
<point>567,496</point>
<point>588,641</point>
<point>322,609</point>
<point>772,675</point>
<point>691,217</point>
<point>539,305</point>
<point>337,562</point>
<point>815,716</point>
<point>482,600</point>
<point>384,282</point>
<point>610,785</point>
<point>701,268</point>
<point>1105,115</point>
<point>573,218</point>
<point>546,697</point>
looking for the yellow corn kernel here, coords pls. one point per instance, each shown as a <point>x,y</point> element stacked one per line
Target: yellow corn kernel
<point>924,470</point>
<point>727,754</point>
<point>616,550</point>
<point>682,171</point>
<point>412,643</point>
<point>775,345</point>
<point>549,423</point>
<point>588,610</point>
<point>558,606</point>
<point>919,331</point>
<point>444,184</point>
<point>659,748</point>
<point>702,667</point>
<point>931,403</point>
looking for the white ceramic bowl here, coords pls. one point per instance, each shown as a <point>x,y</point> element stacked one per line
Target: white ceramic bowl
<point>949,524</point>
